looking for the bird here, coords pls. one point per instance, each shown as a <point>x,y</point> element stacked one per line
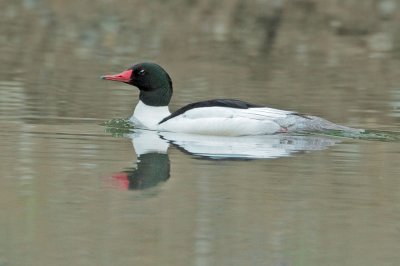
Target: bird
<point>219,117</point>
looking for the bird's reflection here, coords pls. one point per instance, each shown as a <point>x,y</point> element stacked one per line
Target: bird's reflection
<point>153,164</point>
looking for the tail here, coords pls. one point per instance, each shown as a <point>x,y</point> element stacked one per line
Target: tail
<point>309,123</point>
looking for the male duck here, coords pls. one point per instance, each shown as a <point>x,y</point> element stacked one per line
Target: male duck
<point>213,117</point>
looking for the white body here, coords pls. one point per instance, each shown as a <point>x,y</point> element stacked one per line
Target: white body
<point>221,121</point>
<point>225,121</point>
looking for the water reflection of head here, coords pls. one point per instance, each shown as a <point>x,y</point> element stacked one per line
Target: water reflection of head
<point>153,165</point>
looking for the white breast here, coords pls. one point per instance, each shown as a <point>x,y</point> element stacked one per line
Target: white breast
<point>146,116</point>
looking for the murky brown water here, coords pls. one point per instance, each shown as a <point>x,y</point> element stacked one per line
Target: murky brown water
<point>73,194</point>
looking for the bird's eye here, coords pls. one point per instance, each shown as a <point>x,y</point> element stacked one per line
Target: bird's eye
<point>141,72</point>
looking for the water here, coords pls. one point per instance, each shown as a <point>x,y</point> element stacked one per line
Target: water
<point>74,192</point>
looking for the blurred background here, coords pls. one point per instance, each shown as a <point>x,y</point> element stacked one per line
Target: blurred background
<point>339,59</point>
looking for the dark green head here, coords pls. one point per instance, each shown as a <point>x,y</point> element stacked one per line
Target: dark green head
<point>153,81</point>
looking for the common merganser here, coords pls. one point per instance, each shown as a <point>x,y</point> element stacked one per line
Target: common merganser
<point>226,117</point>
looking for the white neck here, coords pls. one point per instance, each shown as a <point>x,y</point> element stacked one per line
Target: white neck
<point>149,116</point>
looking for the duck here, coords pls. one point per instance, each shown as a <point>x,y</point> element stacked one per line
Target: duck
<point>219,117</point>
